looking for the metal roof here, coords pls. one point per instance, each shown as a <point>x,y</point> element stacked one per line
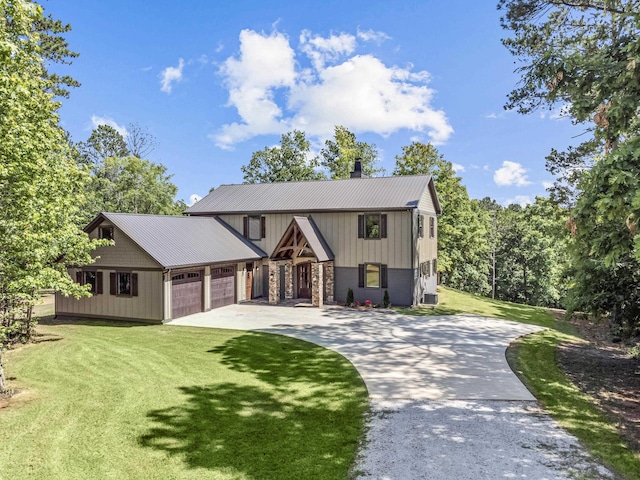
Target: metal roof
<point>179,241</point>
<point>378,193</point>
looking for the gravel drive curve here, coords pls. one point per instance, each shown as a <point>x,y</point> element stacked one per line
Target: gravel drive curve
<point>445,404</point>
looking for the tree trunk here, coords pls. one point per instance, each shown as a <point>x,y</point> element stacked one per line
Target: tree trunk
<point>3,383</point>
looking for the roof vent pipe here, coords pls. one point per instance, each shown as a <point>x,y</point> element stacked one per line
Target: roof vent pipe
<point>357,169</point>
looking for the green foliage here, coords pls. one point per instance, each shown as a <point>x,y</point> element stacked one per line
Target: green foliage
<point>104,142</point>
<point>349,300</point>
<point>42,187</point>
<point>385,299</point>
<point>338,156</point>
<point>531,254</point>
<point>585,56</point>
<point>121,181</point>
<point>289,162</point>
<point>179,402</point>
<point>418,159</point>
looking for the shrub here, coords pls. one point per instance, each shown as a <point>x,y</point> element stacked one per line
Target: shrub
<point>349,301</point>
<point>385,300</point>
<point>367,303</point>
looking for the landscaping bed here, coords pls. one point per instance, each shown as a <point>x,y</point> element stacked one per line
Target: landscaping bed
<point>609,373</point>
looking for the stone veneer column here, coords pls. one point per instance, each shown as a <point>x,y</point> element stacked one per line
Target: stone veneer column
<point>288,280</point>
<point>330,284</point>
<point>317,286</point>
<point>274,283</point>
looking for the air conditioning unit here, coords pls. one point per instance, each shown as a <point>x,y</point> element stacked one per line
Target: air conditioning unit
<point>430,298</point>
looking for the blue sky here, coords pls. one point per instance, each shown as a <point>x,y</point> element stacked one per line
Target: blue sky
<point>214,81</point>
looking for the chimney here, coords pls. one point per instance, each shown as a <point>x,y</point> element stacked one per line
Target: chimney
<point>357,170</point>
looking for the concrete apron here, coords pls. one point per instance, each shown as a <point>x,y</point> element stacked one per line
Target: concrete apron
<point>445,403</point>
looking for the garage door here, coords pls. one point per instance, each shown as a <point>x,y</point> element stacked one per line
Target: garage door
<point>186,294</point>
<point>222,286</point>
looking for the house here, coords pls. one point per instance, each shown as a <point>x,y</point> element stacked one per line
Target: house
<point>310,240</point>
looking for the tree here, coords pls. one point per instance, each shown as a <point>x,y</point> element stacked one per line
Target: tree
<point>121,181</point>
<point>140,142</point>
<point>585,57</point>
<point>339,155</point>
<point>289,162</point>
<point>418,159</point>
<point>463,247</point>
<point>104,142</point>
<point>531,254</point>
<point>41,184</point>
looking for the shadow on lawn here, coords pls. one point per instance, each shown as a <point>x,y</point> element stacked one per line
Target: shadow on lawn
<point>298,415</point>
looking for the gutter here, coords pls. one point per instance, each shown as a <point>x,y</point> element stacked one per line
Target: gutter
<point>413,270</point>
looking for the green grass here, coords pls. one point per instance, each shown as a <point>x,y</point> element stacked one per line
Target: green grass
<point>451,302</point>
<point>533,357</point>
<point>107,400</point>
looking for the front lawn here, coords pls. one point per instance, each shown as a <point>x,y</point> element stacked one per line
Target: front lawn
<point>125,401</point>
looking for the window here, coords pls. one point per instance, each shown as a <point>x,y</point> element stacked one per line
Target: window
<point>105,233</point>
<point>254,227</point>
<point>372,225</point>
<point>91,278</point>
<point>432,227</point>
<point>124,284</point>
<point>421,226</point>
<point>372,275</point>
<point>425,268</point>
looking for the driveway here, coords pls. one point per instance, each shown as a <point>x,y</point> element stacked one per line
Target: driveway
<point>445,404</point>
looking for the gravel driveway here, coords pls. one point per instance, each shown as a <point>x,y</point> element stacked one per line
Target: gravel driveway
<point>445,404</point>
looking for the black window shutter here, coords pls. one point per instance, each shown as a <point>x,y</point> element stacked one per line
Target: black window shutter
<point>79,277</point>
<point>245,225</point>
<point>134,284</point>
<point>263,227</point>
<point>361,275</point>
<point>383,276</point>
<point>99,286</point>
<point>383,226</point>
<point>421,226</point>
<point>360,226</point>
<point>112,283</point>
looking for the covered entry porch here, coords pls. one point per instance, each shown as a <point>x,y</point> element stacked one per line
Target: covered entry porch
<point>301,265</point>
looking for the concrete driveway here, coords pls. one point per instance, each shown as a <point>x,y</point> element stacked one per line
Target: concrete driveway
<point>445,404</point>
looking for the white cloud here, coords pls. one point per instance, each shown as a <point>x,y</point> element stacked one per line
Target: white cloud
<point>491,115</point>
<point>458,168</point>
<point>96,121</point>
<point>547,184</point>
<point>321,50</point>
<point>194,198</point>
<point>372,36</point>
<point>272,93</point>
<point>511,173</point>
<point>522,200</point>
<point>171,75</point>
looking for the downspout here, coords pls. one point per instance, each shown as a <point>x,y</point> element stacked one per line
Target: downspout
<point>413,270</point>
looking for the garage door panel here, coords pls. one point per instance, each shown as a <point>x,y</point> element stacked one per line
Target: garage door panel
<point>186,294</point>
<point>222,287</point>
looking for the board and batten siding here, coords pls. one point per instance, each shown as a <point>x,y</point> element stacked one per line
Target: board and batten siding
<point>340,230</point>
<point>146,306</point>
<point>124,253</point>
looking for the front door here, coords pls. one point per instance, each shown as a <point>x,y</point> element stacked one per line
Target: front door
<point>304,280</point>
<point>249,280</point>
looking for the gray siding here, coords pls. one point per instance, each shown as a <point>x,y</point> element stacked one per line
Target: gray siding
<point>399,281</point>
<point>340,230</point>
<point>125,253</point>
<point>146,306</point>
